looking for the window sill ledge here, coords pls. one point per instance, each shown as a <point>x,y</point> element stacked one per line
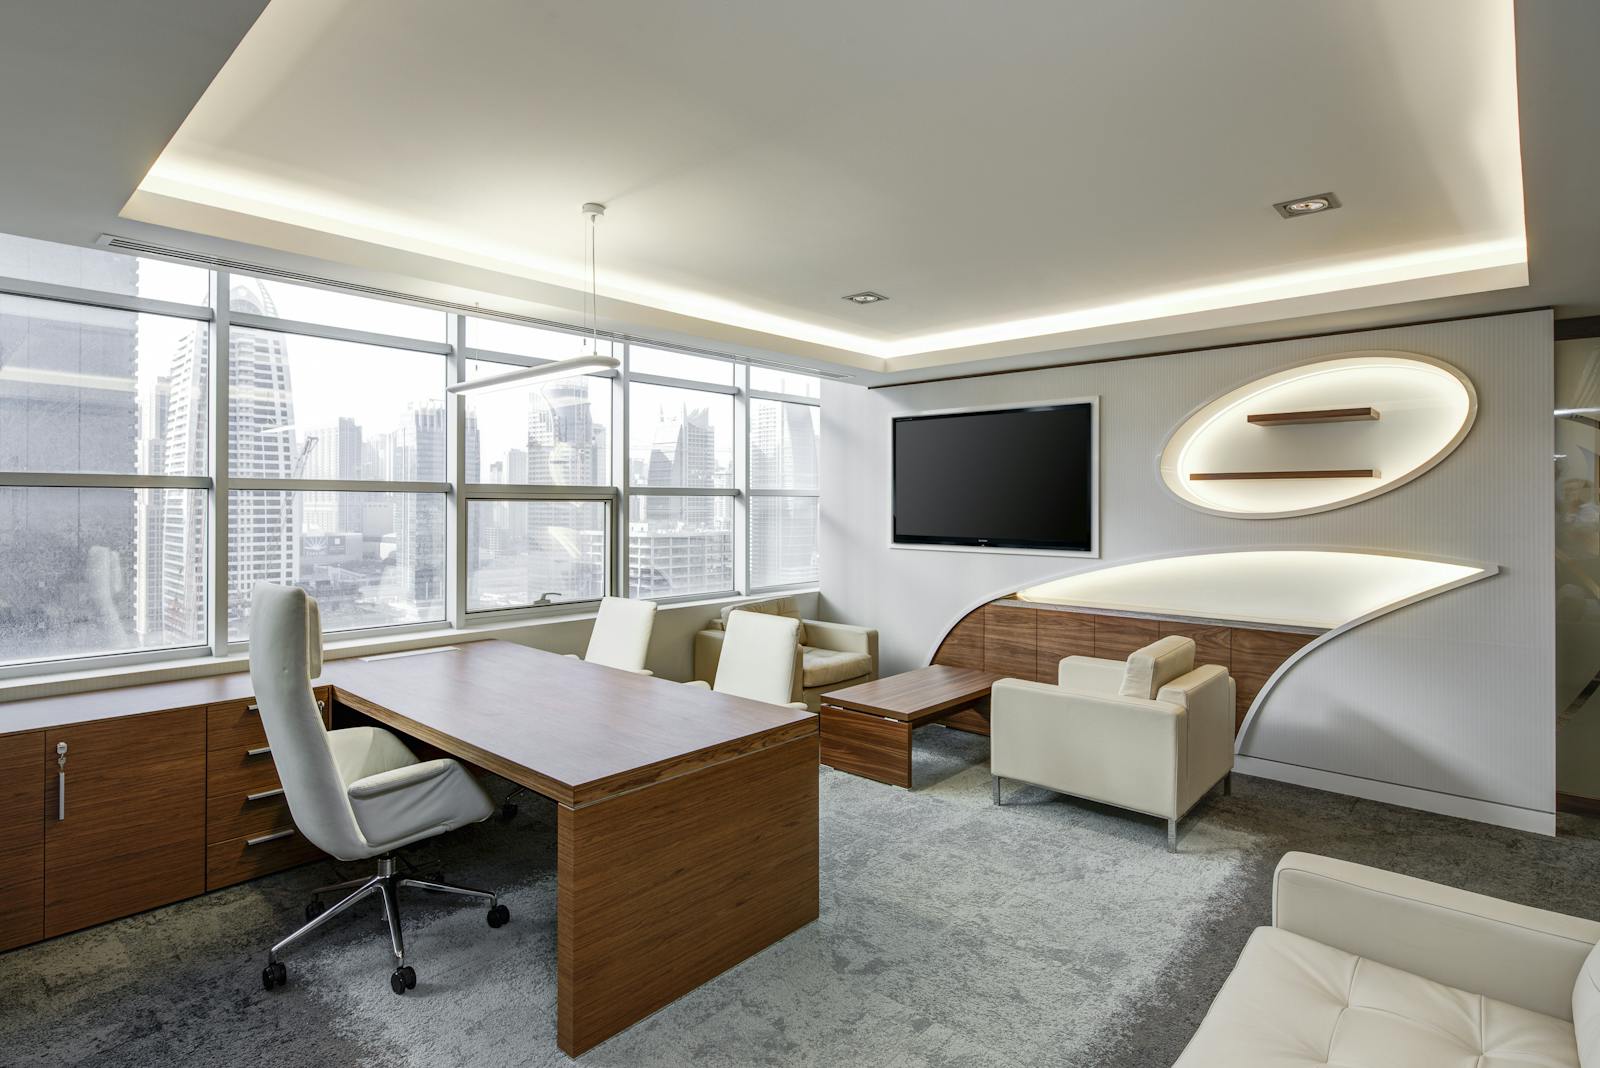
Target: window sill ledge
<point>53,684</point>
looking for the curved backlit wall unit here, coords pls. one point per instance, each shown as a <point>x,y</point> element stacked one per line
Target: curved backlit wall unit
<point>1328,590</point>
<point>1319,436</point>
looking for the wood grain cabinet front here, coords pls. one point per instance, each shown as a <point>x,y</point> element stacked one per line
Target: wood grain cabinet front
<point>21,840</point>
<point>124,816</point>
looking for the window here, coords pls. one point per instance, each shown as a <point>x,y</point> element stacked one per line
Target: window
<point>135,521</point>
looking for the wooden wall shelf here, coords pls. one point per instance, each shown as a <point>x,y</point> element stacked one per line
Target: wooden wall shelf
<point>1224,476</point>
<point>1319,415</point>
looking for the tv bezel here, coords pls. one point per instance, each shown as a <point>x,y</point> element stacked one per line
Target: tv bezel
<point>1004,545</point>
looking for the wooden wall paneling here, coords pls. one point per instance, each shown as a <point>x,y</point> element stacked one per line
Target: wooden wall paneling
<point>662,888</point>
<point>963,646</point>
<point>1256,655</point>
<point>21,840</point>
<point>134,833</point>
<point>1011,641</point>
<point>1062,634</point>
<point>1212,644</point>
<point>1117,636</point>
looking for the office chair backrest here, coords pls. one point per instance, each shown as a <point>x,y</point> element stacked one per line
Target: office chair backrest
<point>285,654</point>
<point>760,658</point>
<point>621,635</point>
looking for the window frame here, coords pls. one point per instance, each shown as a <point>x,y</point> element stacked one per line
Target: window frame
<point>752,395</point>
<point>217,483</point>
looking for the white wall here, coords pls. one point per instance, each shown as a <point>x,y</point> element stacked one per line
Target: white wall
<point>1447,704</point>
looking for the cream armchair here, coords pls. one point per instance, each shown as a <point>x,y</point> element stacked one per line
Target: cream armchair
<point>1152,735</point>
<point>832,655</point>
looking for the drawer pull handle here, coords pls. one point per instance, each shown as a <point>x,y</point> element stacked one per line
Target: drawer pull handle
<point>61,781</point>
<point>264,794</point>
<point>252,708</point>
<point>265,838</point>
<point>259,751</point>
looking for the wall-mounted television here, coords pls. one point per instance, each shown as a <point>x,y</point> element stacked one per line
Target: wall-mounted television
<point>1000,478</point>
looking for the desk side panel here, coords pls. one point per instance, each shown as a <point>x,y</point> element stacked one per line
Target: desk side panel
<point>666,887</point>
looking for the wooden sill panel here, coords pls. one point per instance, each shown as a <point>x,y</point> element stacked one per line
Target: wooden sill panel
<point>1238,476</point>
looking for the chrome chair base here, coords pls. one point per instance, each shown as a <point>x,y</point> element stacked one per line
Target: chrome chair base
<point>387,885</point>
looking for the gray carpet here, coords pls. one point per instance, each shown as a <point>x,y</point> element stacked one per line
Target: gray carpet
<point>1048,932</point>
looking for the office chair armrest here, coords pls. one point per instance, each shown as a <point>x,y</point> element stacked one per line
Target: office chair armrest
<point>645,671</point>
<point>572,656</point>
<point>800,706</point>
<point>386,782</point>
<point>699,684</point>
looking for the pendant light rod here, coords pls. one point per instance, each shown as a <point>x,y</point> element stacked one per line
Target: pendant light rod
<point>578,365</point>
<point>592,211</point>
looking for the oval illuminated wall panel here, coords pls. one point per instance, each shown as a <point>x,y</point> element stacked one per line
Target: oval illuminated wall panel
<point>1319,436</point>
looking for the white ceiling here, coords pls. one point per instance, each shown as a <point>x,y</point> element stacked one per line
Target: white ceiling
<point>1017,177</point>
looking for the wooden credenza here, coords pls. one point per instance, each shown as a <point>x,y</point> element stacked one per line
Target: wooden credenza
<point>1027,640</point>
<point>175,796</point>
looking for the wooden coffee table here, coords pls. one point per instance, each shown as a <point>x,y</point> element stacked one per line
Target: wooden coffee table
<point>866,729</point>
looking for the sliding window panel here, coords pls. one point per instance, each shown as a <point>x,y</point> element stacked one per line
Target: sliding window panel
<point>679,438</point>
<point>521,553</point>
<point>783,445</point>
<point>370,559</point>
<point>99,391</point>
<point>783,541</point>
<point>308,407</point>
<point>105,272</point>
<point>553,433</point>
<point>326,307</point>
<point>679,545</point>
<point>89,572</point>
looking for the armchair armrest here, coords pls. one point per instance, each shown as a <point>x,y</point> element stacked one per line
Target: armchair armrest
<point>385,782</point>
<point>707,654</point>
<point>1090,674</point>
<point>699,684</point>
<point>1124,751</point>
<point>843,638</point>
<point>1525,956</point>
<point>406,804</point>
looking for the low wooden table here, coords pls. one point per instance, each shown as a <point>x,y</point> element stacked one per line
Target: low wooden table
<point>866,729</point>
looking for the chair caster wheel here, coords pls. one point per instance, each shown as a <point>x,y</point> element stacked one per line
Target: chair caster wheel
<point>274,975</point>
<point>314,908</point>
<point>403,979</point>
<point>499,916</point>
<point>508,812</point>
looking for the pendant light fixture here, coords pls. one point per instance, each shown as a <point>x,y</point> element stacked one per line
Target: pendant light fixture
<point>578,365</point>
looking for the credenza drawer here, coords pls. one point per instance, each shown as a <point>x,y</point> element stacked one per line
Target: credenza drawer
<point>237,815</point>
<point>237,724</point>
<point>239,859</point>
<point>237,772</point>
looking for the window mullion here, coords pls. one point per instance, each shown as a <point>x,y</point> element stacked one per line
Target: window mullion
<point>217,592</point>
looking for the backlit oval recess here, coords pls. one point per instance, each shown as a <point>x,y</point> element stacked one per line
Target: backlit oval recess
<point>1424,410</point>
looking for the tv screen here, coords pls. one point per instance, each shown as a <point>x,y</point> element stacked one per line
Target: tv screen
<point>1017,478</point>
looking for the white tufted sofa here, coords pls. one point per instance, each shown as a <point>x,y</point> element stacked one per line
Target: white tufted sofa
<point>1364,968</point>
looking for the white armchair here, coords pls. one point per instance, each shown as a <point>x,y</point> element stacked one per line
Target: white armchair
<point>1152,735</point>
<point>832,655</point>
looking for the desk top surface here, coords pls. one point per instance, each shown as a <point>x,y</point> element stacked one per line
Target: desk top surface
<point>917,694</point>
<point>573,731</point>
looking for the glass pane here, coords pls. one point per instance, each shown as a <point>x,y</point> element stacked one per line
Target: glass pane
<point>532,341</point>
<point>370,559</point>
<point>783,540</point>
<point>306,407</point>
<point>97,391</point>
<point>648,361</point>
<point>534,552</point>
<point>94,571</point>
<point>283,300</point>
<point>679,437</point>
<point>108,272</point>
<point>783,445</point>
<point>679,545</point>
<point>766,380</point>
<point>555,433</point>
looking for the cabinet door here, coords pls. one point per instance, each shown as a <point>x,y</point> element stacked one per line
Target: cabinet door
<point>21,840</point>
<point>131,832</point>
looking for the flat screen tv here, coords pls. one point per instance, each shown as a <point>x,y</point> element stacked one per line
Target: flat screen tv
<point>1005,478</point>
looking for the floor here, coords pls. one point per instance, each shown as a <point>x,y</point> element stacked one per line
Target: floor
<point>1047,932</point>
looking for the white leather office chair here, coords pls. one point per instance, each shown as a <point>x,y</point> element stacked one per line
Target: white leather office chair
<point>761,660</point>
<point>357,793</point>
<point>621,635</point>
<point>1153,735</point>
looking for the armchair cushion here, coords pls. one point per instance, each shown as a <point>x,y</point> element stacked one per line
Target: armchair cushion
<point>825,667</point>
<point>1157,664</point>
<point>777,606</point>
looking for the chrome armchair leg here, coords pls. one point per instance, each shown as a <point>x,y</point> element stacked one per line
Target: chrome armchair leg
<point>1227,785</point>
<point>1172,836</point>
<point>369,886</point>
<point>997,799</point>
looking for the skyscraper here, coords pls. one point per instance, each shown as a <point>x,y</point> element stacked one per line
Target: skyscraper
<point>154,402</point>
<point>332,452</point>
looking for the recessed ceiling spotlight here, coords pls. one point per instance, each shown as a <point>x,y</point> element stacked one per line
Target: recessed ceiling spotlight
<point>866,296</point>
<point>1313,205</point>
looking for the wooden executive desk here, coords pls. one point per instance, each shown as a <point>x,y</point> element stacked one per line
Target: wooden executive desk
<point>687,822</point>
